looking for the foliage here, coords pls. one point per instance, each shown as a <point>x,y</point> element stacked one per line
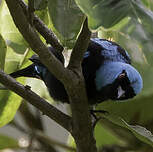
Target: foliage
<point>7,142</point>
<point>129,23</point>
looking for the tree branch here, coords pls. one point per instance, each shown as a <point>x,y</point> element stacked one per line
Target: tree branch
<point>48,35</point>
<point>46,108</point>
<point>80,46</point>
<point>82,125</point>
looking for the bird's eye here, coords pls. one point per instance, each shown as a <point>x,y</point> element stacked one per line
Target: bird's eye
<point>37,69</point>
<point>122,75</point>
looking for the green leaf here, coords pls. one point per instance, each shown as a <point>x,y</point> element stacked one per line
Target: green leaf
<point>8,142</point>
<point>9,103</point>
<point>103,12</point>
<point>140,132</point>
<point>39,87</point>
<point>2,52</point>
<point>145,15</point>
<point>108,13</point>
<point>9,32</point>
<point>71,142</point>
<point>105,137</point>
<point>66,20</point>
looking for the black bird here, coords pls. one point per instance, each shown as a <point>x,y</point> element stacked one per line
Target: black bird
<point>107,71</point>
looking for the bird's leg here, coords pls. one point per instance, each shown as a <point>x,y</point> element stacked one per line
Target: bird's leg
<point>95,118</point>
<point>99,111</point>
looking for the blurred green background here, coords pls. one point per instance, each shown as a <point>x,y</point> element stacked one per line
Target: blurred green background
<point>130,123</point>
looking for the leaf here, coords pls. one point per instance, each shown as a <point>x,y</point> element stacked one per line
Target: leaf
<point>2,52</point>
<point>66,20</point>
<point>144,14</point>
<point>103,12</point>
<point>9,32</point>
<point>71,142</point>
<point>108,13</point>
<point>142,38</point>
<point>105,137</point>
<point>39,87</point>
<point>8,142</point>
<point>9,103</point>
<point>140,132</point>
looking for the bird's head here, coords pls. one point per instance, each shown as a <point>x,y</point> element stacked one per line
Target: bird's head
<point>118,81</point>
<point>40,70</point>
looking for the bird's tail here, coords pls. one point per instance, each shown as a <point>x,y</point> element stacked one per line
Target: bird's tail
<point>26,72</point>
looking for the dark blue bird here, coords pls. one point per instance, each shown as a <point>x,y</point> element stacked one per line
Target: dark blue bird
<point>106,69</point>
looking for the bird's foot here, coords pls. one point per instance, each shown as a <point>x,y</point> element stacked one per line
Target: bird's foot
<point>95,118</point>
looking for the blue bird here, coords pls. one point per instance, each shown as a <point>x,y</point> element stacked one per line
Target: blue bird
<point>107,71</point>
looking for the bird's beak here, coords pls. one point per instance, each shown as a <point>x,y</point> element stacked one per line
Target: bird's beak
<point>121,92</point>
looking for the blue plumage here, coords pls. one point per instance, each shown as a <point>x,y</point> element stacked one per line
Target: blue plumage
<point>112,52</point>
<point>106,69</point>
<point>107,73</point>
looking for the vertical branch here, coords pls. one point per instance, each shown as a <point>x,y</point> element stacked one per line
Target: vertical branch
<point>80,46</point>
<point>82,126</point>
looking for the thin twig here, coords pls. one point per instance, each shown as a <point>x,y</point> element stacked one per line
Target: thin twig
<point>50,141</point>
<point>30,147</point>
<point>18,126</point>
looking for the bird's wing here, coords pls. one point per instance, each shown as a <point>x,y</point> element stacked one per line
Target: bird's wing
<point>92,59</point>
<point>100,51</point>
<point>35,58</point>
<point>111,51</point>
